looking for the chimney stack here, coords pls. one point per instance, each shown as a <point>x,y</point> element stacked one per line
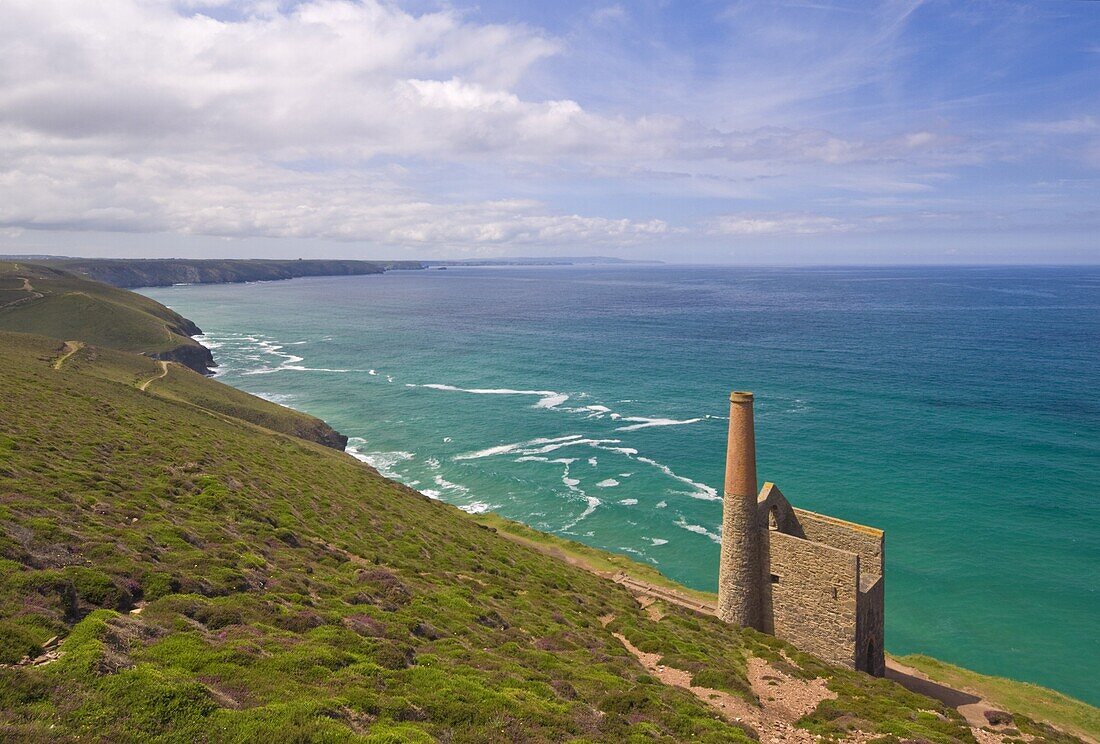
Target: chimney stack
<point>739,570</point>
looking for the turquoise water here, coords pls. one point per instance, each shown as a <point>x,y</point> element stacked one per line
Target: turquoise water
<point>955,408</point>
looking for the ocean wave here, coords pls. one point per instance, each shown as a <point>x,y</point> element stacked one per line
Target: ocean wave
<point>592,503</point>
<point>383,462</point>
<point>507,449</point>
<point>531,449</point>
<point>478,507</point>
<point>628,502</point>
<point>548,398</point>
<point>644,422</point>
<point>447,485</point>
<point>264,347</point>
<point>280,398</point>
<point>702,490</point>
<point>698,529</point>
<point>208,341</point>
<point>607,483</point>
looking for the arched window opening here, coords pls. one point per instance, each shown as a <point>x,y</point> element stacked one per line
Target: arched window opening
<point>773,518</point>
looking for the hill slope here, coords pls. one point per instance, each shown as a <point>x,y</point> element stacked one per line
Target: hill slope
<point>101,320</point>
<point>161,272</point>
<point>213,581</point>
<point>49,302</point>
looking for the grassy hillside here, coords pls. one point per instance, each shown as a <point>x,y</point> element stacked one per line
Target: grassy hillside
<point>287,591</point>
<point>1030,700</point>
<point>44,301</point>
<point>160,272</point>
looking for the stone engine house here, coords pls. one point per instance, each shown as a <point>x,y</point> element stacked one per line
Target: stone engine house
<point>810,579</point>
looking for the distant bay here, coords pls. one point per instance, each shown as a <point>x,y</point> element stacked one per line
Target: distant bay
<point>956,408</point>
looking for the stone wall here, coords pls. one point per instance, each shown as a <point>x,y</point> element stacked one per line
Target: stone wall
<point>870,627</point>
<point>867,542</point>
<point>811,593</point>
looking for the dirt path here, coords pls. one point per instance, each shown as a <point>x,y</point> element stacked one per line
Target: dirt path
<point>34,294</point>
<point>154,378</point>
<point>972,707</point>
<point>783,699</point>
<point>70,348</point>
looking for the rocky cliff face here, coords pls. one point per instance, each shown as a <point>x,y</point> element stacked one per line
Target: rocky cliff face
<point>193,356</point>
<point>127,273</point>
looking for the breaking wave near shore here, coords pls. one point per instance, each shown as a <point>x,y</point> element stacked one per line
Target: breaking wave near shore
<point>596,474</point>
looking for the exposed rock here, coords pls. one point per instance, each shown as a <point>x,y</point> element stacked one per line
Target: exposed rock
<point>998,717</point>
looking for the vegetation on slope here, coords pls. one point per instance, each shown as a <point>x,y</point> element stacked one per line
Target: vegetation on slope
<point>103,319</point>
<point>48,302</point>
<point>1033,707</point>
<point>162,272</point>
<point>1020,697</point>
<point>287,590</point>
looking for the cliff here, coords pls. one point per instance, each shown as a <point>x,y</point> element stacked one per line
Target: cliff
<point>141,272</point>
<point>49,302</point>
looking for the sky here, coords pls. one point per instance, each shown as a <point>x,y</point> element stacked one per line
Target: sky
<point>772,132</point>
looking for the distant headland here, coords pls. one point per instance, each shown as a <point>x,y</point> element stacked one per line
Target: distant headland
<point>129,273</point>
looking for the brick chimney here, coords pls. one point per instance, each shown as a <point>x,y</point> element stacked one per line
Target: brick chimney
<point>739,570</point>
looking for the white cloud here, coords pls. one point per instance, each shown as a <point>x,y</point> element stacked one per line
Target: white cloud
<point>360,121</point>
<point>1075,125</point>
<point>777,224</point>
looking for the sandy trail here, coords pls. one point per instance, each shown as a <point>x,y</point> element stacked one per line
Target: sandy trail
<point>70,348</point>
<point>34,294</point>
<point>163,371</point>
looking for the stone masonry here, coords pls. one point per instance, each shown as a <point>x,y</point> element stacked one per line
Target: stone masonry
<point>810,579</point>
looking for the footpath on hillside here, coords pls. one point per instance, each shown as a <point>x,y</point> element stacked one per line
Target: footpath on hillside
<point>776,718</point>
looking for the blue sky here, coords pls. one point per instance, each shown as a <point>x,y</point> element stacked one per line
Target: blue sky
<point>806,131</point>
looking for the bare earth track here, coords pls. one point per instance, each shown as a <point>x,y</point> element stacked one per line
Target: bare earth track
<point>783,699</point>
<point>154,378</point>
<point>70,348</point>
<point>32,294</point>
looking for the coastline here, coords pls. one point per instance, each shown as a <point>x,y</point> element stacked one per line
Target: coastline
<point>966,690</point>
<point>329,404</point>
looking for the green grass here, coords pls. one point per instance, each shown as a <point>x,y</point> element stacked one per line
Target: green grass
<point>1030,700</point>
<point>583,555</point>
<point>288,592</point>
<point>75,308</point>
<point>112,320</point>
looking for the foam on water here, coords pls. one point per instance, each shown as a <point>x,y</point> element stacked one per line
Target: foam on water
<point>505,449</point>
<point>477,507</point>
<point>645,423</point>
<point>547,398</point>
<point>698,529</point>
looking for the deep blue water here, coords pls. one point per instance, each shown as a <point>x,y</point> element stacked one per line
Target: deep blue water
<point>957,408</point>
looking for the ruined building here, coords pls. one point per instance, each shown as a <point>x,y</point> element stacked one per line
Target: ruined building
<point>812,580</point>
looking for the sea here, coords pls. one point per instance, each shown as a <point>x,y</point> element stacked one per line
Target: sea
<point>956,408</point>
